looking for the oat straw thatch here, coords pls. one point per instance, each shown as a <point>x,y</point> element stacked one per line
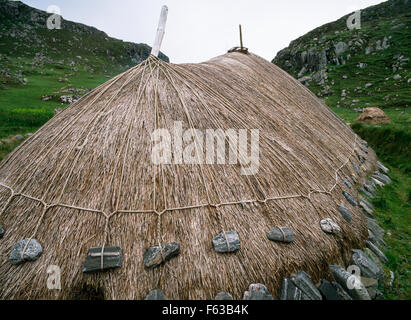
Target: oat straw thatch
<point>86,179</point>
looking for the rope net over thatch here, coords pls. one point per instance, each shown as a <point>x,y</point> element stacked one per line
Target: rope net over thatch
<point>86,179</point>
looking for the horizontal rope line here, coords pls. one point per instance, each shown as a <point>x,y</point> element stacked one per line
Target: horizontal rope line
<point>153,211</point>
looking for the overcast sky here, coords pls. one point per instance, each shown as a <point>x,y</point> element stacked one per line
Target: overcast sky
<point>198,30</point>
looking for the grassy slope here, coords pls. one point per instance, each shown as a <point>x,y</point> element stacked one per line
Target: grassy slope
<point>392,143</point>
<point>76,56</point>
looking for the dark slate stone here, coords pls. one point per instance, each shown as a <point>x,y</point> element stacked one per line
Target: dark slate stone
<point>362,159</point>
<point>369,269</point>
<point>380,255</point>
<point>346,182</point>
<point>382,177</point>
<point>364,143</point>
<point>281,234</point>
<point>366,208</point>
<point>32,252</point>
<point>257,291</point>
<point>365,192</point>
<point>364,150</point>
<point>345,213</point>
<point>369,205</point>
<point>350,199</point>
<point>112,258</point>
<point>341,292</point>
<point>1,232</point>
<point>370,187</point>
<point>220,242</point>
<point>382,168</point>
<point>156,294</point>
<point>328,290</point>
<point>224,296</point>
<point>341,276</point>
<point>153,257</point>
<point>289,291</point>
<point>356,168</point>
<point>303,282</point>
<point>379,243</point>
<point>376,230</point>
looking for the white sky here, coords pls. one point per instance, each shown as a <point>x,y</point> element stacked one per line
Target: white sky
<point>198,30</point>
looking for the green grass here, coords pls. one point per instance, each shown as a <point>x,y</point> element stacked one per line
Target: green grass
<point>392,144</point>
<point>21,107</point>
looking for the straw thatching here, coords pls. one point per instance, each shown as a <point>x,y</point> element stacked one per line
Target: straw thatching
<point>86,179</point>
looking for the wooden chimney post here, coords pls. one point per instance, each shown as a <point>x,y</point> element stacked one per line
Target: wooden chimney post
<point>160,31</point>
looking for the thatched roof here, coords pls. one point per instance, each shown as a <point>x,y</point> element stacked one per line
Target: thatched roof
<point>86,179</point>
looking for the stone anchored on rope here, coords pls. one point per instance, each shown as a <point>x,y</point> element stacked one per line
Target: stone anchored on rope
<point>350,199</point>
<point>227,241</point>
<point>346,214</point>
<point>156,255</point>
<point>329,226</point>
<point>25,250</point>
<point>1,232</point>
<point>103,258</point>
<point>281,234</point>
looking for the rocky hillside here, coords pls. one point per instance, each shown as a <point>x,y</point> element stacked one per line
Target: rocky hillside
<point>357,68</point>
<point>25,40</point>
<point>43,70</point>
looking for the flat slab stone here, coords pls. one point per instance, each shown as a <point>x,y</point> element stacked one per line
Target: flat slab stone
<point>370,187</point>
<point>329,226</point>
<point>376,240</point>
<point>346,182</point>
<point>341,292</point>
<point>155,256</point>
<point>226,242</point>
<point>112,258</point>
<point>364,150</point>
<point>341,276</point>
<point>373,257</point>
<point>366,208</point>
<point>1,232</point>
<point>223,296</point>
<point>381,256</point>
<point>369,205</point>
<point>365,192</point>
<point>156,294</point>
<point>281,234</point>
<point>382,177</point>
<point>346,214</point>
<point>350,199</point>
<point>382,168</point>
<point>33,251</point>
<point>289,291</point>
<point>376,230</point>
<point>378,183</point>
<point>303,282</point>
<point>361,158</point>
<point>333,291</point>
<point>257,291</point>
<point>369,269</point>
<point>356,168</point>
